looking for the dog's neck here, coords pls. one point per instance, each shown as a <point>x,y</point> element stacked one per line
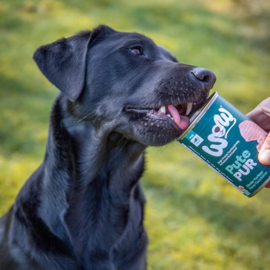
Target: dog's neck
<point>97,171</point>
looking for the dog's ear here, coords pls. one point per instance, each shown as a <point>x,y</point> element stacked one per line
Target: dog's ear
<point>63,62</point>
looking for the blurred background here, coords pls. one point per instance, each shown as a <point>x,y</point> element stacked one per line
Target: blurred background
<point>194,218</point>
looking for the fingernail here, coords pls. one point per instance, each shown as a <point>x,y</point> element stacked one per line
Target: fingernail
<point>265,157</point>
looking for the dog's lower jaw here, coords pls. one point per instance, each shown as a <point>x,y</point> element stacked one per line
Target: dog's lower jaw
<point>96,218</point>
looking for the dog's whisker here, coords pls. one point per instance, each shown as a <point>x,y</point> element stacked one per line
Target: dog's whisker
<point>83,118</point>
<point>95,120</point>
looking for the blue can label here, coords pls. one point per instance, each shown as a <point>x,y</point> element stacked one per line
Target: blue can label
<point>229,142</point>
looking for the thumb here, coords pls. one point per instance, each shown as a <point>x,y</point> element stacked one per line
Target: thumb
<point>264,155</point>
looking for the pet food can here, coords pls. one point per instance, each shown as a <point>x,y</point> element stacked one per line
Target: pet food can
<point>229,142</point>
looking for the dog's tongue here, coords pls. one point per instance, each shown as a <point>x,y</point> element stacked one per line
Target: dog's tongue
<point>182,121</point>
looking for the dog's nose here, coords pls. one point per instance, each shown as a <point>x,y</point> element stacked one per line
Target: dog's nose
<point>206,76</point>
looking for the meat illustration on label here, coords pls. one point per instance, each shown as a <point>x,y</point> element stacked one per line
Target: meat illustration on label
<point>252,132</point>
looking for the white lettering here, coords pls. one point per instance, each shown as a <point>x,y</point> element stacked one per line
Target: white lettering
<point>238,175</point>
<point>245,170</point>
<point>218,131</point>
<point>218,147</point>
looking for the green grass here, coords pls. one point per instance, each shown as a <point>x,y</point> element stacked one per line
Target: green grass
<point>195,220</point>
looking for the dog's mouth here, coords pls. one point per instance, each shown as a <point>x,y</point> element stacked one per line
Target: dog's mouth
<point>176,114</point>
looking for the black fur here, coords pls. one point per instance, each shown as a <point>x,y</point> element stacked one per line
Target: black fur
<point>83,207</point>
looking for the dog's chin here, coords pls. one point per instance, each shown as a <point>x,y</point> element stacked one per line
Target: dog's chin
<point>158,136</point>
<point>152,133</point>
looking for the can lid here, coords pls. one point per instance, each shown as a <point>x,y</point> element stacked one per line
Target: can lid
<point>197,115</point>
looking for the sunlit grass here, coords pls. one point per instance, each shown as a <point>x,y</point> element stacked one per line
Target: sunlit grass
<point>194,218</point>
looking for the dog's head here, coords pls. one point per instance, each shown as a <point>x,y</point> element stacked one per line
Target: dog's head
<point>125,83</point>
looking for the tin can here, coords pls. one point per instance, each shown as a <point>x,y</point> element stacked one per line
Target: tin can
<point>229,142</point>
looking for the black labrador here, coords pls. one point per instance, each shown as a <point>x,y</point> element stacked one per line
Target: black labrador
<point>83,207</point>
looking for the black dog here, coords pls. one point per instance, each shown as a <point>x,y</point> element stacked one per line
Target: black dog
<point>83,207</point>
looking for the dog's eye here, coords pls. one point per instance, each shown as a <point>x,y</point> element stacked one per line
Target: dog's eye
<point>136,50</point>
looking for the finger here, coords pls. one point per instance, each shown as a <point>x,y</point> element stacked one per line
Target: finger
<point>261,114</point>
<point>264,155</point>
<point>268,185</point>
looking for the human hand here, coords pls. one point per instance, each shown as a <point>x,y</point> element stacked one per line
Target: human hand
<point>261,116</point>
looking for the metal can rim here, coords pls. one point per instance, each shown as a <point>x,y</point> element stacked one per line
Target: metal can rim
<point>260,187</point>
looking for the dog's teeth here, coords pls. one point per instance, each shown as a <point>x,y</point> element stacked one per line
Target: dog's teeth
<point>162,109</point>
<point>189,108</point>
<point>168,115</point>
